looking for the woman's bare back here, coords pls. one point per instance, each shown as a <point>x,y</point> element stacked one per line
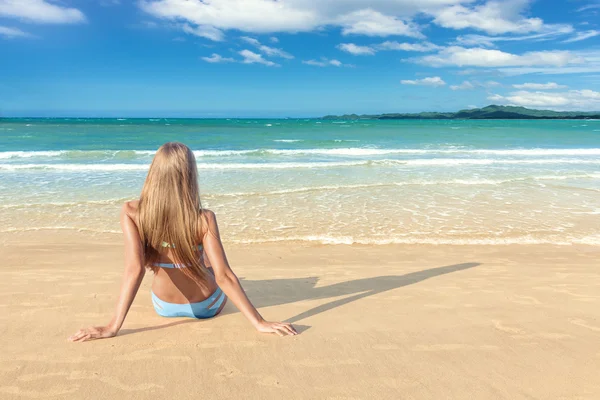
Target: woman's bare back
<point>171,284</point>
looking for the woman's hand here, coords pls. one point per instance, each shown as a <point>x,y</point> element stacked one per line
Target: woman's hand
<point>93,333</point>
<point>280,328</point>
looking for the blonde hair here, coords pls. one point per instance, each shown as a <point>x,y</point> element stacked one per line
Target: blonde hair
<point>169,213</point>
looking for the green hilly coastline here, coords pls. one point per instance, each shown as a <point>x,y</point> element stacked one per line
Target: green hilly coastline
<point>489,112</point>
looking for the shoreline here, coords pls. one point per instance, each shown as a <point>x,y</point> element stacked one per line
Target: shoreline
<point>85,236</point>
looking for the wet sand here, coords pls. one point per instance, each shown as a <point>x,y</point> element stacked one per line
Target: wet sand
<point>376,322</point>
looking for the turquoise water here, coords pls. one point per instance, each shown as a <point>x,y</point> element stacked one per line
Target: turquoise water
<point>463,182</point>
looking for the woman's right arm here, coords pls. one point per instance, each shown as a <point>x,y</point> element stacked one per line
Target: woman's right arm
<point>132,278</point>
<point>229,283</point>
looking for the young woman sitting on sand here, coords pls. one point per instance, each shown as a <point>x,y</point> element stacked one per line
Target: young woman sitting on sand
<point>169,232</point>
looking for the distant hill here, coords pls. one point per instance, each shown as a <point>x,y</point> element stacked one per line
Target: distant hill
<point>489,112</point>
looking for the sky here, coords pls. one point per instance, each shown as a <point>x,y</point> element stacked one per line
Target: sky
<point>295,58</point>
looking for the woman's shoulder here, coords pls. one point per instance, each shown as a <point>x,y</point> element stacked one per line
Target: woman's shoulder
<point>207,221</point>
<point>130,208</point>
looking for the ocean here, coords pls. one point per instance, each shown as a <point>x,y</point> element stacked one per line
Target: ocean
<point>327,181</point>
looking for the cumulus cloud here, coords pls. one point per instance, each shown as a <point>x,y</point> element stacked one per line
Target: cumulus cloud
<point>216,58</point>
<point>356,17</point>
<point>12,33</point>
<point>40,11</point>
<point>480,57</point>
<point>324,62</point>
<point>431,81</point>
<point>249,57</point>
<point>539,86</point>
<point>583,100</point>
<point>369,22</point>
<point>494,17</point>
<point>267,50</point>
<point>356,50</point>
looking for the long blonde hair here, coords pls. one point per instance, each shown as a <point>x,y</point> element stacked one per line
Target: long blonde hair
<point>169,213</point>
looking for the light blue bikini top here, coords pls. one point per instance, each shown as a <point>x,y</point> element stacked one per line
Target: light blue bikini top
<point>171,265</point>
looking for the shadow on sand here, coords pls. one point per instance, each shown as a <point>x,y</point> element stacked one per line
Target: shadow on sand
<point>273,292</point>
<point>265,293</point>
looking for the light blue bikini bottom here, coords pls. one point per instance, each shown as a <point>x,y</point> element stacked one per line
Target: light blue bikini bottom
<point>205,309</point>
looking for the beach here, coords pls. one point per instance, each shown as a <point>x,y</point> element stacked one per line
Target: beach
<point>376,322</point>
<point>417,259</point>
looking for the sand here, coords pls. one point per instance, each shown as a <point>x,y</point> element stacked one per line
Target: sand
<point>376,322</point>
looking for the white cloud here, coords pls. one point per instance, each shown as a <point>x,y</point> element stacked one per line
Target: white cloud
<point>360,17</point>
<point>40,11</point>
<point>549,33</point>
<point>582,100</point>
<point>421,47</point>
<point>269,51</point>
<point>259,16</point>
<point>369,22</point>
<point>255,58</point>
<point>539,86</point>
<point>588,7</point>
<point>11,33</point>
<point>491,84</point>
<point>216,58</point>
<point>431,81</point>
<point>204,31</point>
<point>387,45</point>
<point>324,62</point>
<point>466,85</point>
<point>494,17</point>
<point>590,64</point>
<point>469,85</point>
<point>355,49</point>
<point>273,39</point>
<point>582,36</point>
<point>479,57</point>
<point>375,18</point>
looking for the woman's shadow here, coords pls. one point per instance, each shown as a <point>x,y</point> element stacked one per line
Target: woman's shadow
<point>273,292</point>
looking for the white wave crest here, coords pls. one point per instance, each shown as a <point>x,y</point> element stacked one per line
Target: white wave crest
<point>346,151</point>
<point>592,240</point>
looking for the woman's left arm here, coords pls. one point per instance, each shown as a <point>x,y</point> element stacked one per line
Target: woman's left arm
<point>132,278</point>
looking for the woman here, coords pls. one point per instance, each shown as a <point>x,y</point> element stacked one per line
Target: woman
<point>167,231</point>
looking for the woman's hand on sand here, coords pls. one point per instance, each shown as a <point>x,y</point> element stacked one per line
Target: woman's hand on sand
<point>280,328</point>
<point>93,333</point>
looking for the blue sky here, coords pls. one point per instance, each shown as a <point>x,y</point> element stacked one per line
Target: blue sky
<point>224,58</point>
